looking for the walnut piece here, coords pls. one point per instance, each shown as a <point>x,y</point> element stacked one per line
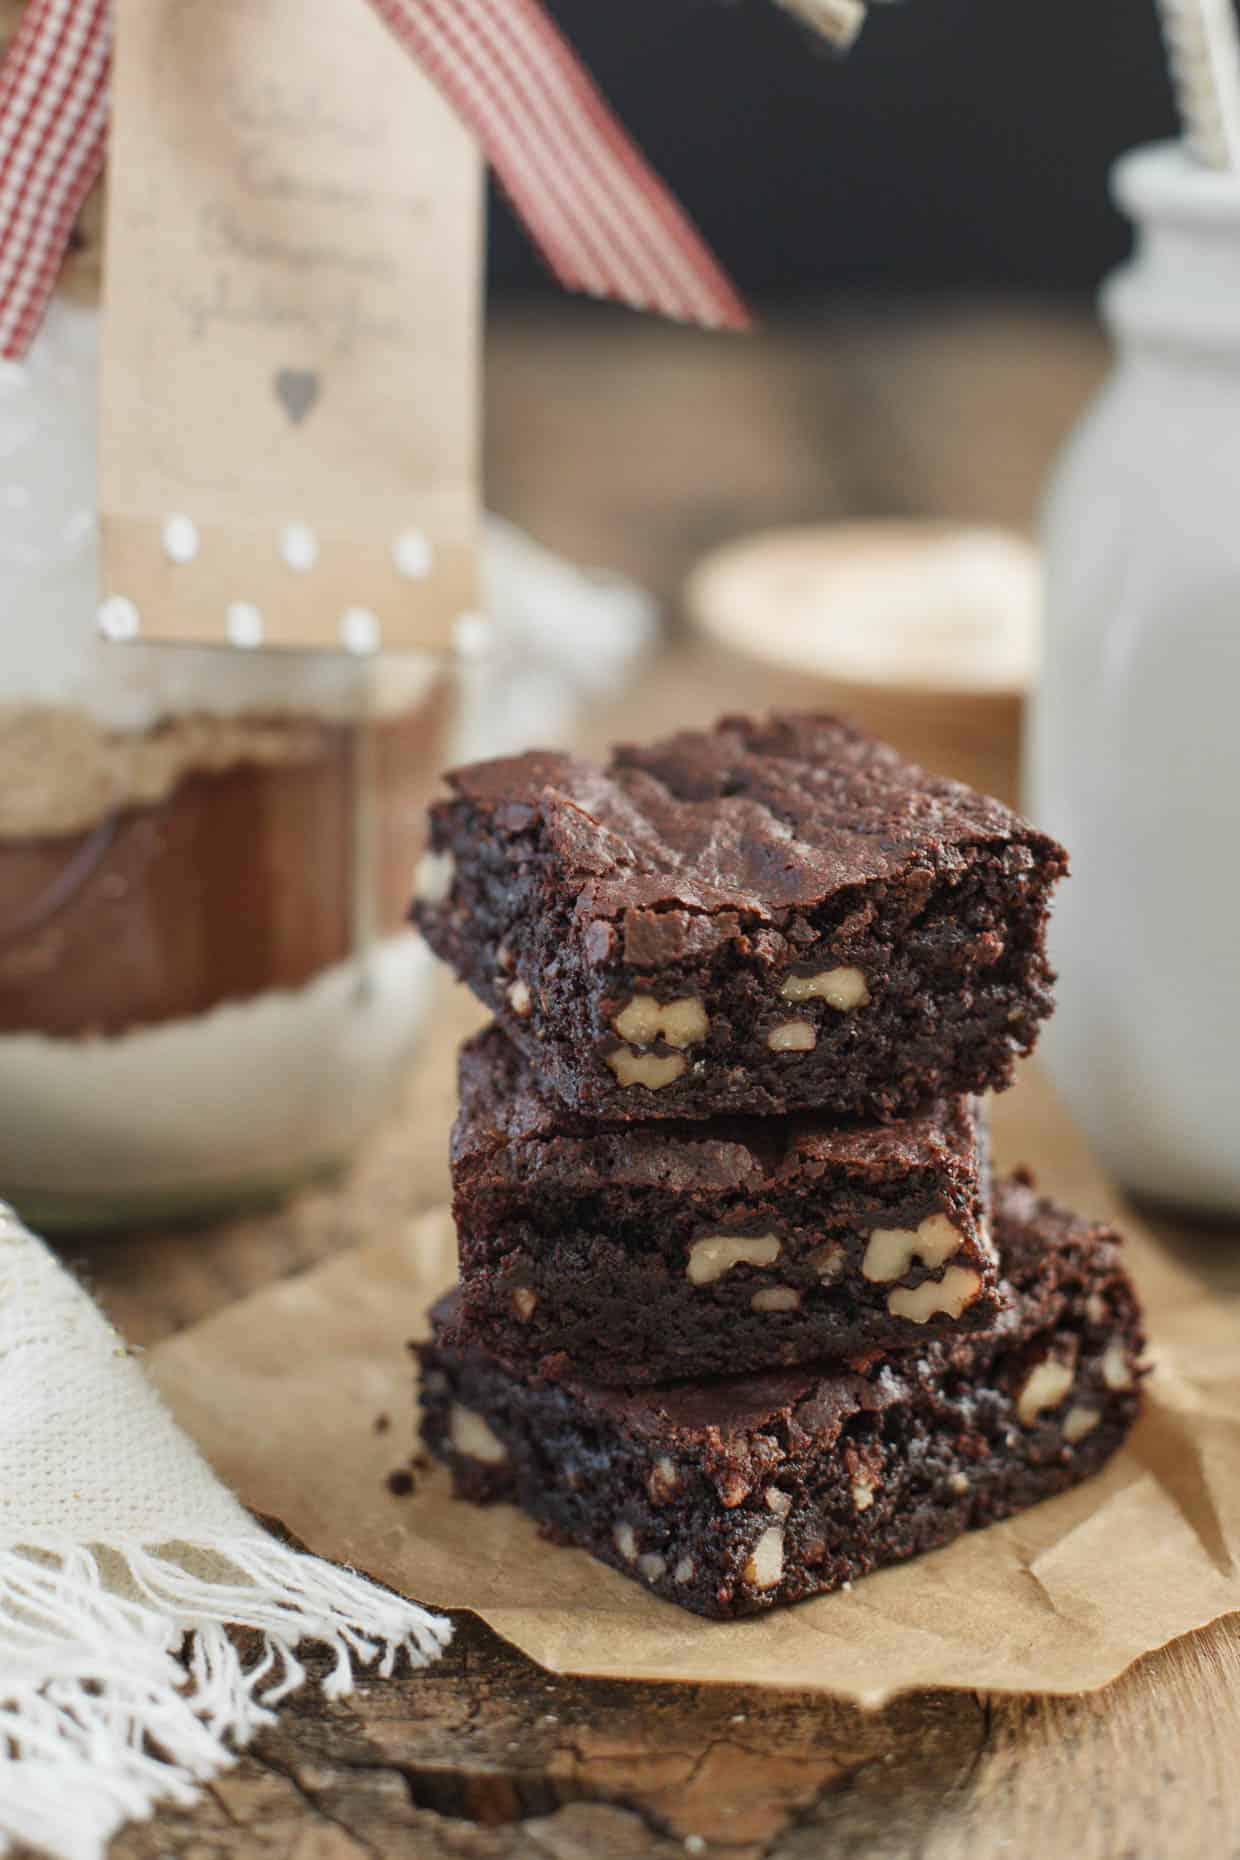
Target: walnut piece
<point>951,1294</point>
<point>766,1564</point>
<point>683,1571</point>
<point>733,1489</point>
<point>863,1491</point>
<point>828,1261</point>
<point>1078,1422</point>
<point>1116,1370</point>
<point>626,1541</point>
<point>519,999</point>
<point>778,1502</point>
<point>715,1254</point>
<point>524,1302</point>
<point>472,1438</point>
<point>653,1070</point>
<point>434,877</point>
<point>650,1566</point>
<point>663,1480</point>
<point>839,988</point>
<point>891,1250</point>
<point>958,1483</point>
<point>776,1298</point>
<point>793,1036</point>
<point>681,1023</point>
<point>1046,1387</point>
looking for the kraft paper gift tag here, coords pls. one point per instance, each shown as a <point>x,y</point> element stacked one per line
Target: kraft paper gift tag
<point>283,1390</point>
<point>290,377</point>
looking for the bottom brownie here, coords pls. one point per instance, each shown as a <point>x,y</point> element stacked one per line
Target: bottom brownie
<point>735,1495</point>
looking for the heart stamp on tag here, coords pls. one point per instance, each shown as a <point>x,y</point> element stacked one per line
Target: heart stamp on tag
<point>297,390</point>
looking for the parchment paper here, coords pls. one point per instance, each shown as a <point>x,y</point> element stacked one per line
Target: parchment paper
<point>283,1391</point>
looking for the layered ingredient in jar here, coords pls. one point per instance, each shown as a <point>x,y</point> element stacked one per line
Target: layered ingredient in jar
<point>150,876</point>
<point>208,988</point>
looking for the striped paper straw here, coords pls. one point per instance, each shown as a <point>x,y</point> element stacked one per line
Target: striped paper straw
<point>839,21</point>
<point>1203,47</point>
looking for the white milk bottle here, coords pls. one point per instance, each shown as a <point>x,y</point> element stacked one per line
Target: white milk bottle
<point>1133,755</point>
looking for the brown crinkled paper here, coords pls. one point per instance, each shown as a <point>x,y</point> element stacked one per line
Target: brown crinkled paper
<point>282,1392</point>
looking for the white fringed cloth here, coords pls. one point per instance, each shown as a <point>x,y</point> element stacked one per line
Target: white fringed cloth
<point>124,1564</point>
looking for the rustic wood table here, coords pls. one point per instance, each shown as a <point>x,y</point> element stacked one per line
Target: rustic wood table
<point>636,446</point>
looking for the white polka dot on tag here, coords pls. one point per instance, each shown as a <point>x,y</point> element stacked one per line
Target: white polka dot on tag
<point>413,555</point>
<point>299,547</point>
<point>245,624</point>
<point>180,539</point>
<point>471,635</point>
<point>118,618</point>
<point>359,630</point>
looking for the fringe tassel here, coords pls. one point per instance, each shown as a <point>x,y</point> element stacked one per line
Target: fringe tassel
<point>121,1687</point>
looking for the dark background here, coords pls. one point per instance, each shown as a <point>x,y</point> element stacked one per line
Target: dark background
<point>961,142</point>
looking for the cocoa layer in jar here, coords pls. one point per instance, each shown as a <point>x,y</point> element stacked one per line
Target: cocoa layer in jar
<point>240,880</point>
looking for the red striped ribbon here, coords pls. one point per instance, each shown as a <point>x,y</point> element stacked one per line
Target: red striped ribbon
<point>598,213</point>
<point>53,126</point>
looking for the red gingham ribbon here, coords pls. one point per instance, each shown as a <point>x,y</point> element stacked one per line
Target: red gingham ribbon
<point>53,125</point>
<point>598,213</point>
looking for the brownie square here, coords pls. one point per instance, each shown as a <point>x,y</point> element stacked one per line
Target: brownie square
<point>654,1252</point>
<point>735,1495</point>
<point>757,918</point>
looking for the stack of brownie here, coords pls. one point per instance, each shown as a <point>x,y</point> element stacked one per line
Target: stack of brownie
<point>740,1310</point>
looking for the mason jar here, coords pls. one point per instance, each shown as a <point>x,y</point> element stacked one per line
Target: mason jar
<point>208,988</point>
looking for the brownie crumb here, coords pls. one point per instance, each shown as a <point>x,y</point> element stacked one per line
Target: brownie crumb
<point>400,1483</point>
<point>382,1423</point>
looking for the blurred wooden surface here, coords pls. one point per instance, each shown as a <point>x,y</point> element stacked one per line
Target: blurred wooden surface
<point>635,446</point>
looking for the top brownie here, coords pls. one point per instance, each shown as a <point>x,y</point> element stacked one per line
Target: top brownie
<point>756,918</point>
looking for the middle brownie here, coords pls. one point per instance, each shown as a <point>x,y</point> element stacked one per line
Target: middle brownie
<point>642,1253</point>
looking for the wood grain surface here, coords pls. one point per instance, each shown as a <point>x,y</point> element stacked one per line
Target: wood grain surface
<point>636,446</point>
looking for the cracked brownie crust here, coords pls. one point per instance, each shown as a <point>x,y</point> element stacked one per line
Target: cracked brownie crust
<point>736,1495</point>
<point>758,918</point>
<point>656,1252</point>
